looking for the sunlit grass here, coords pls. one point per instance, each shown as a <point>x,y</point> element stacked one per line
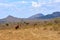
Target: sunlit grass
<point>42,30</point>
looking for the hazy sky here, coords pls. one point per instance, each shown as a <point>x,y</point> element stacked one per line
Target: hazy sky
<point>27,8</point>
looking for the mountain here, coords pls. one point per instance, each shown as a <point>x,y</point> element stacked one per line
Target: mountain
<point>49,16</point>
<point>53,15</point>
<point>10,19</point>
<point>36,16</point>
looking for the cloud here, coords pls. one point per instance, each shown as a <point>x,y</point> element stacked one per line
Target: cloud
<point>19,2</point>
<point>35,4</point>
<point>41,3</point>
<point>24,2</point>
<point>12,3</point>
<point>56,0</point>
<point>5,4</point>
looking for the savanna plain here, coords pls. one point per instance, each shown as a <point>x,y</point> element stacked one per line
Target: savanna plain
<point>31,30</point>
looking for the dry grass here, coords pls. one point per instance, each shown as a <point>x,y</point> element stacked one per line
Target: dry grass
<point>29,34</point>
<point>47,30</point>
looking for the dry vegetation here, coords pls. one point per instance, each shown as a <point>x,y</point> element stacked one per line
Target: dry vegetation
<point>31,30</point>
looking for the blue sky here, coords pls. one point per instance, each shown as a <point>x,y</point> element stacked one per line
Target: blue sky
<point>27,8</point>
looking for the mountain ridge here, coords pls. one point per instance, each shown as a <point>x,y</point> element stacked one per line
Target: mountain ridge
<point>36,15</point>
<point>33,17</point>
<point>49,16</point>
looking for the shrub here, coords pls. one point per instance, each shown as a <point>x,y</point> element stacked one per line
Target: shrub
<point>35,24</point>
<point>26,23</point>
<point>45,28</point>
<point>57,21</point>
<point>49,23</point>
<point>58,32</point>
<point>7,24</point>
<point>56,28</point>
<point>50,28</point>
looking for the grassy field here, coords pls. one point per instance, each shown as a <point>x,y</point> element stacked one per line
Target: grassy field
<point>38,30</point>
